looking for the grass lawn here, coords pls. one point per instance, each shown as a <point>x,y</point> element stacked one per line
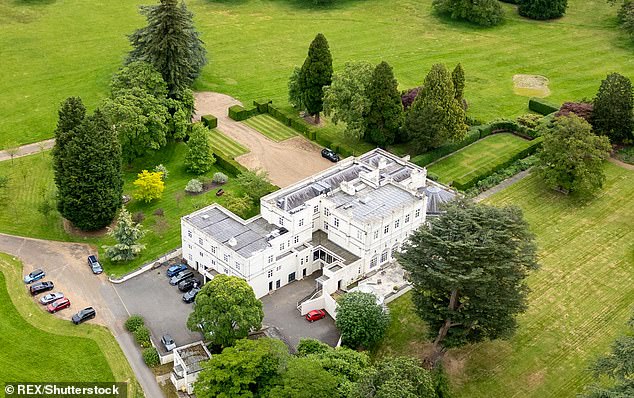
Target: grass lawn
<point>270,127</point>
<point>226,145</point>
<point>38,345</point>
<point>489,151</point>
<point>31,180</point>
<point>55,49</point>
<point>581,297</point>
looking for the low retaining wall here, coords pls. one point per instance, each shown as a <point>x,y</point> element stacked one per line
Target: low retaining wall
<point>148,266</point>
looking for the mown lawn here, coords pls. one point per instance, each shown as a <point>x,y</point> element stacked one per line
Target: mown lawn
<point>489,151</point>
<point>581,297</point>
<point>270,127</point>
<point>55,49</point>
<point>42,348</point>
<point>31,181</point>
<point>226,145</point>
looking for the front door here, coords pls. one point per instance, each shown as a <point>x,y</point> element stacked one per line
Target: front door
<point>270,286</point>
<point>291,277</point>
<point>277,283</point>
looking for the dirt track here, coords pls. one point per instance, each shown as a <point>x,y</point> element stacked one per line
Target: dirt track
<point>286,162</point>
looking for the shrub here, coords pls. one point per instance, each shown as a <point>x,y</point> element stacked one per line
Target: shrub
<point>501,175</point>
<point>194,186</point>
<point>199,157</point>
<point>206,182</point>
<point>151,357</point>
<point>408,97</point>
<point>481,12</point>
<point>163,170</point>
<point>581,109</point>
<point>238,113</point>
<point>142,336</point>
<point>279,115</point>
<point>542,9</point>
<point>220,178</point>
<point>530,120</point>
<point>138,217</point>
<point>228,164</point>
<point>149,186</point>
<point>133,323</point>
<point>262,105</point>
<point>210,121</point>
<point>626,16</point>
<point>542,106</point>
<point>159,212</point>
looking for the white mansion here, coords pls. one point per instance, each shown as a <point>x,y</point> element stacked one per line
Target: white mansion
<point>344,222</point>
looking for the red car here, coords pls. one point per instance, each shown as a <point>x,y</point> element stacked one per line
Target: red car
<point>58,305</point>
<point>315,315</point>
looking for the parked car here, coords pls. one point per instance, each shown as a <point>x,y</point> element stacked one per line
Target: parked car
<point>190,296</point>
<point>188,284</point>
<point>41,287</point>
<point>175,269</point>
<point>181,276</point>
<point>58,305</point>
<point>315,315</point>
<point>330,155</point>
<point>94,264</point>
<point>168,342</point>
<point>36,275</point>
<point>49,298</point>
<point>84,315</point>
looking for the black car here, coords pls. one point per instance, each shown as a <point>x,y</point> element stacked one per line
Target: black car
<point>41,287</point>
<point>84,315</point>
<point>330,155</point>
<point>190,296</point>
<point>181,276</point>
<point>188,284</point>
<point>94,265</point>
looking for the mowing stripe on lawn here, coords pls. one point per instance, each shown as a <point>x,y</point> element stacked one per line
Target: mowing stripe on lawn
<point>270,127</point>
<point>226,145</point>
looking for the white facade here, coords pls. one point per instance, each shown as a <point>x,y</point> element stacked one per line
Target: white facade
<point>187,365</point>
<point>344,222</point>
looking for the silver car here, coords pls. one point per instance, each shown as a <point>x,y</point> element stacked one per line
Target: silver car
<point>168,342</point>
<point>49,298</point>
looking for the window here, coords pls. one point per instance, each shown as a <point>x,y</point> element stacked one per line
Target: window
<point>269,274</point>
<point>301,261</point>
<point>373,262</point>
<point>189,233</point>
<point>226,271</point>
<point>213,249</point>
<point>291,277</point>
<point>359,234</point>
<point>277,284</point>
<point>301,222</point>
<point>200,241</point>
<point>296,239</point>
<point>190,246</point>
<point>393,252</point>
<point>384,256</point>
<point>406,219</point>
<point>282,245</point>
<point>386,229</point>
<point>213,262</point>
<point>376,234</point>
<point>325,226</point>
<point>238,266</point>
<point>226,257</point>
<point>397,223</point>
<point>336,222</point>
<point>326,212</point>
<point>279,267</point>
<point>417,213</point>
<point>281,220</point>
<point>201,254</point>
<point>270,259</point>
<point>306,259</point>
<point>190,257</point>
<point>316,209</point>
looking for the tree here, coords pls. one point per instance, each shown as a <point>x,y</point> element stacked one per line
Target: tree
<point>170,43</point>
<point>200,157</point>
<point>572,156</point>
<point>457,78</point>
<point>396,378</point>
<point>346,99</point>
<point>346,365</point>
<point>89,181</point>
<point>479,12</point>
<point>227,310</point>
<point>612,113</point>
<point>542,9</point>
<point>468,270</point>
<point>127,234</point>
<point>149,186</point>
<point>246,370</point>
<point>238,204</point>
<point>255,182</point>
<point>140,75</point>
<point>436,116</point>
<point>582,109</point>
<point>294,92</point>
<point>385,110</point>
<point>305,378</point>
<point>316,73</point>
<point>617,367</point>
<point>361,320</point>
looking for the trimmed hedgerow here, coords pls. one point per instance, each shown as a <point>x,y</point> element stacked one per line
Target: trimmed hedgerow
<point>542,106</point>
<point>228,164</point>
<point>426,158</point>
<point>151,357</point>
<point>501,175</point>
<point>210,121</point>
<point>142,336</point>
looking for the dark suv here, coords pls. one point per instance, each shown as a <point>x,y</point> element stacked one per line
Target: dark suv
<point>41,287</point>
<point>188,284</point>
<point>94,264</point>
<point>84,315</point>
<point>181,276</point>
<point>330,155</point>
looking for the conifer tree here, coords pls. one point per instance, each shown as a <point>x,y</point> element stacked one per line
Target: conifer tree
<point>127,234</point>
<point>612,113</point>
<point>200,157</point>
<point>316,73</point>
<point>385,111</point>
<point>170,43</point>
<point>542,9</point>
<point>457,78</point>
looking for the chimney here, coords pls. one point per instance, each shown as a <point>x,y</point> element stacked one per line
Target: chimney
<point>348,187</point>
<point>232,242</point>
<point>382,163</point>
<point>371,178</point>
<point>418,179</point>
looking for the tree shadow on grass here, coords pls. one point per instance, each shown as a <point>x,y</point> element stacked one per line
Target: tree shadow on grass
<point>33,2</point>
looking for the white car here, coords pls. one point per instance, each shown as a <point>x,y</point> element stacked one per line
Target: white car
<point>49,298</point>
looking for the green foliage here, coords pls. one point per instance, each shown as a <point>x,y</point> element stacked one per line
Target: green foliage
<point>209,121</point>
<point>142,336</point>
<point>227,310</point>
<point>624,155</point>
<point>431,156</point>
<point>613,104</point>
<point>149,186</point>
<point>200,157</point>
<point>479,12</point>
<point>88,172</point>
<point>304,378</point>
<point>572,156</point>
<point>476,293</point>
<point>316,73</point>
<point>346,365</point>
<point>399,377</point>
<point>239,205</point>
<point>159,168</point>
<point>435,117</point>
<point>228,164</point>
<point>246,370</point>
<point>346,99</point>
<point>127,234</point>
<point>458,80</point>
<point>385,109</point>
<point>220,178</point>
<point>294,91</point>
<point>626,17</point>
<point>255,182</point>
<point>529,120</point>
<point>542,9</point>
<point>501,175</point>
<point>140,75</point>
<point>361,320</point>
<point>542,106</point>
<point>134,322</point>
<point>194,186</point>
<point>170,43</point>
<point>311,346</point>
<point>151,357</point>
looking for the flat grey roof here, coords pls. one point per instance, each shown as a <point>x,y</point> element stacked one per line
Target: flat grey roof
<point>250,237</point>
<point>320,238</point>
<point>193,356</point>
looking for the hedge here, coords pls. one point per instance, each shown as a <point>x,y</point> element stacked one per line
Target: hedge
<point>262,105</point>
<point>279,115</point>
<point>210,121</point>
<point>142,337</point>
<point>151,357</point>
<point>238,113</point>
<point>468,182</point>
<point>542,106</point>
<point>133,323</point>
<point>228,164</point>
<point>428,157</point>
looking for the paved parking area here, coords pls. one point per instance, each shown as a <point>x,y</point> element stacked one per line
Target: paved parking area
<point>280,310</point>
<point>160,304</point>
